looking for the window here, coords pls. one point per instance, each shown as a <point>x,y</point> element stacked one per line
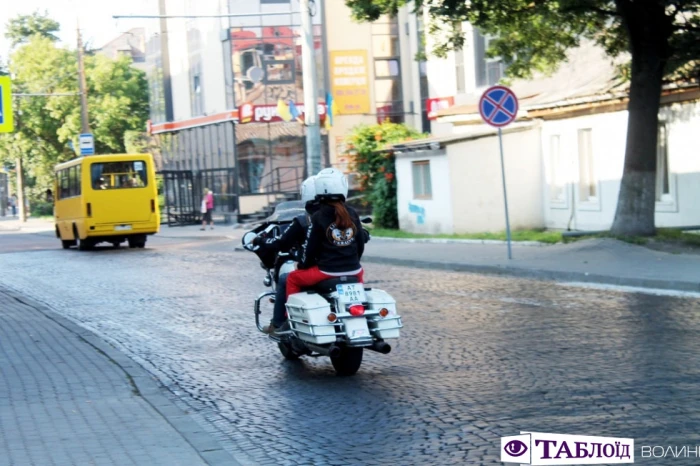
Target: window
<point>279,71</point>
<point>663,174</point>
<point>557,193</point>
<point>68,182</point>
<point>385,46</point>
<point>459,70</point>
<point>387,70</point>
<point>488,70</point>
<point>422,188</point>
<point>588,184</point>
<point>119,175</point>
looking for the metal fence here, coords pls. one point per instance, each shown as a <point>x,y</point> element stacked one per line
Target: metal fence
<point>183,191</point>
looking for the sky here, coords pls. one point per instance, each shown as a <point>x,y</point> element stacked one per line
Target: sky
<point>95,16</point>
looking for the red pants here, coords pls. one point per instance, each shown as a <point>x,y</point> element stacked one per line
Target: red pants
<point>299,279</point>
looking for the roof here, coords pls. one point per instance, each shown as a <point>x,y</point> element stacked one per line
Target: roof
<point>476,132</point>
<point>101,158</point>
<point>587,74</point>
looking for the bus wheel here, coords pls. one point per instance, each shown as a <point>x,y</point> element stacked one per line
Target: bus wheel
<point>67,243</point>
<point>137,242</point>
<point>85,244</point>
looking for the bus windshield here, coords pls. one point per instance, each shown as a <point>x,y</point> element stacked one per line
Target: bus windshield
<point>119,175</point>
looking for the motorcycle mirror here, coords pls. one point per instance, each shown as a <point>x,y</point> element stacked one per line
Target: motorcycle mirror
<point>366,220</point>
<point>248,240</point>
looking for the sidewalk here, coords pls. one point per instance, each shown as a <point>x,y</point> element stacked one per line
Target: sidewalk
<point>68,398</point>
<point>605,261</point>
<point>32,225</point>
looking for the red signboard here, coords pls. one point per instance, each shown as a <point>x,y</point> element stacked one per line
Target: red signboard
<point>433,106</point>
<point>248,113</point>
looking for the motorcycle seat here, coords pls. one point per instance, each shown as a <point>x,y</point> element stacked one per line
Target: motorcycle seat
<point>328,286</point>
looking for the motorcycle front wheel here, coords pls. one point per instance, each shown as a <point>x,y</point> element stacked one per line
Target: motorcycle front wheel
<point>287,351</point>
<point>349,361</point>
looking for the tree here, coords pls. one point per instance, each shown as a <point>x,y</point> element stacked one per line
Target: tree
<point>47,125</point>
<point>375,165</point>
<point>23,27</point>
<point>662,38</point>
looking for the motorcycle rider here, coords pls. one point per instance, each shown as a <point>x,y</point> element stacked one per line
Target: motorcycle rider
<point>292,237</point>
<point>334,240</point>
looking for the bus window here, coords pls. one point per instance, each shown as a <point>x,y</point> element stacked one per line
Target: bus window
<point>119,175</point>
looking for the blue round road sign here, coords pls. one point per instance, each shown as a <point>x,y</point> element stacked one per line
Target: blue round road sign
<point>498,106</point>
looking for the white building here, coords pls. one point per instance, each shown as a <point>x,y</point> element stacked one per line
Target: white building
<point>563,157</point>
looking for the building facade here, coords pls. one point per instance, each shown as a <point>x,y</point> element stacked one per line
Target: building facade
<point>215,84</point>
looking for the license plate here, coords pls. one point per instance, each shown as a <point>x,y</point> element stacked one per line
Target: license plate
<point>351,293</point>
<point>356,328</point>
<point>122,227</point>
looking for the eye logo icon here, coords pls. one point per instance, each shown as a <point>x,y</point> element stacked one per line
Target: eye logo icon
<point>515,448</point>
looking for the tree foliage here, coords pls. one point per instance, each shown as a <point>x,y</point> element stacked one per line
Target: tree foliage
<point>534,35</point>
<point>47,125</point>
<point>20,29</point>
<point>661,36</point>
<point>375,165</point>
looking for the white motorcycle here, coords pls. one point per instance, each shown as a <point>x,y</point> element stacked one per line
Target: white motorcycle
<point>339,318</point>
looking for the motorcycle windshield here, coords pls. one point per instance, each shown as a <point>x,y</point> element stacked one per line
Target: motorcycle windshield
<point>286,211</point>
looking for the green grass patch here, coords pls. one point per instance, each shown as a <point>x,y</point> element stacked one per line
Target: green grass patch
<point>541,236</point>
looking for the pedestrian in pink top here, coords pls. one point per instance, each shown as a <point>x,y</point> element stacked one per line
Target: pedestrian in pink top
<point>207,209</point>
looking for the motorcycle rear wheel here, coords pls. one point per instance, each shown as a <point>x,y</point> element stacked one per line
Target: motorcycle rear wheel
<point>349,361</point>
<point>287,351</point>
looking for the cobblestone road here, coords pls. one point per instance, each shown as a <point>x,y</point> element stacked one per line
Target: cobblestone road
<point>480,357</point>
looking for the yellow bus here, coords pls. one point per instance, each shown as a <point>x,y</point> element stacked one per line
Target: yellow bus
<point>106,198</point>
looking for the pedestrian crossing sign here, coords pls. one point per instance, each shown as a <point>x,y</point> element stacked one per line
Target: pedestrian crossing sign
<point>6,120</point>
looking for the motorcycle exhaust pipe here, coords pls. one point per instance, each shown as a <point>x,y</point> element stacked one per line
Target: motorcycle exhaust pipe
<point>381,347</point>
<point>332,351</point>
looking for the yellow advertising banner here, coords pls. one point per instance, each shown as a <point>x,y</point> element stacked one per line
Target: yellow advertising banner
<point>6,116</point>
<point>350,81</point>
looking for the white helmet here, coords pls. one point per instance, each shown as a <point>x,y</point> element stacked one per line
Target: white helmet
<point>331,184</point>
<point>308,189</point>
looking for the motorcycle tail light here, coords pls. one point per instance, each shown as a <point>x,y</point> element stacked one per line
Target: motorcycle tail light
<point>332,317</point>
<point>357,310</point>
<point>384,312</point>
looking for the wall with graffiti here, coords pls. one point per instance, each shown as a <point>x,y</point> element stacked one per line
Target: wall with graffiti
<point>424,201</point>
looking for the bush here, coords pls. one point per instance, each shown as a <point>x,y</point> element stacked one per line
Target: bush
<point>374,162</point>
<point>41,209</point>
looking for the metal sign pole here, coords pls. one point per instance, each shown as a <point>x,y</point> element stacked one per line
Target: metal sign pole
<point>498,107</point>
<point>505,194</point>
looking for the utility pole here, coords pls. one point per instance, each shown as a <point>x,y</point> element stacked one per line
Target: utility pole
<point>85,127</point>
<point>313,128</point>
<point>20,172</point>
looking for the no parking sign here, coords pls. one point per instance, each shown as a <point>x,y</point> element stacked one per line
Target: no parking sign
<point>498,107</point>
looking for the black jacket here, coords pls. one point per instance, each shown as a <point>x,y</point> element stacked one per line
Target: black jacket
<point>293,236</point>
<point>331,249</point>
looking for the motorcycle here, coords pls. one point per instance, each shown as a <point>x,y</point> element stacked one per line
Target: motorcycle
<point>338,318</point>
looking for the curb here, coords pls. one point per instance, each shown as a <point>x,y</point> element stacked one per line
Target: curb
<point>550,275</point>
<point>458,241</point>
<point>199,238</point>
<point>208,448</point>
